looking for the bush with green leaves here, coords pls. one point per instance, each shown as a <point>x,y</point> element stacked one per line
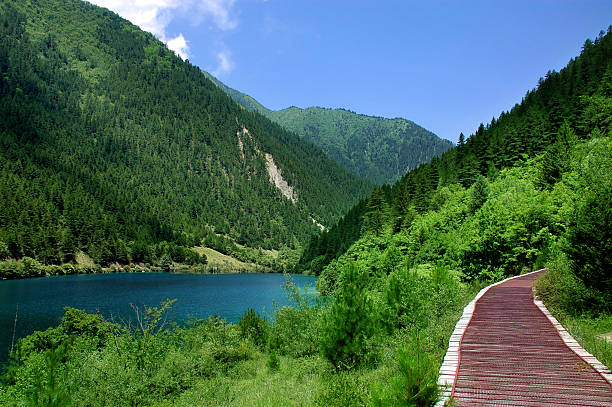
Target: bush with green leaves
<point>413,298</point>
<point>49,390</point>
<point>4,251</point>
<point>273,362</point>
<point>405,300</point>
<point>510,229</point>
<point>297,327</point>
<point>165,262</point>
<point>589,232</point>
<point>254,327</point>
<point>343,389</point>
<point>350,323</point>
<point>415,382</point>
<point>75,323</point>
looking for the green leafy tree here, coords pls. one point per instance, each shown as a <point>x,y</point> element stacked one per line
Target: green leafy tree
<point>165,262</point>
<point>350,322</point>
<point>480,193</point>
<point>4,251</point>
<point>254,327</point>
<point>377,213</point>
<point>49,389</point>
<point>589,233</point>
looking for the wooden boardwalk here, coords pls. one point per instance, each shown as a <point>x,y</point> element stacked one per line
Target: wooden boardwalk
<point>507,350</point>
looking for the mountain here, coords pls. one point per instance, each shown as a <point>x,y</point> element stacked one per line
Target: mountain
<point>114,146</point>
<point>242,99</point>
<point>378,149</point>
<point>568,107</point>
<point>375,148</point>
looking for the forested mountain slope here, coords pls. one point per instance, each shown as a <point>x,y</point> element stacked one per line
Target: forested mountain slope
<point>568,106</point>
<point>381,150</point>
<point>112,145</point>
<point>375,148</point>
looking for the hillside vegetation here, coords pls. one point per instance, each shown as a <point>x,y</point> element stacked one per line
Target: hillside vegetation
<point>112,145</point>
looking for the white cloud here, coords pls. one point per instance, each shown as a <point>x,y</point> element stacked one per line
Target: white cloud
<point>179,46</point>
<point>150,15</point>
<point>220,11</point>
<point>225,63</point>
<point>155,15</point>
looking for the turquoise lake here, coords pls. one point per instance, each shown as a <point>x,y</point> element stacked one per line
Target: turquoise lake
<point>40,302</point>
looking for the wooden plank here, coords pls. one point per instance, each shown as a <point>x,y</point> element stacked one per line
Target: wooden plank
<point>506,349</point>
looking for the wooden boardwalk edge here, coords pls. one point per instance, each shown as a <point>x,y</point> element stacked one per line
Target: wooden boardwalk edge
<point>571,343</point>
<point>450,365</point>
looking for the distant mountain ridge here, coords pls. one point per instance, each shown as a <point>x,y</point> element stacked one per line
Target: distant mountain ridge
<point>244,100</point>
<point>375,148</point>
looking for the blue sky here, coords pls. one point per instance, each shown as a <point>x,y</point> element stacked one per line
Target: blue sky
<point>446,65</point>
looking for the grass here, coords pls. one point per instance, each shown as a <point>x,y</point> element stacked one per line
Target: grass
<point>587,331</point>
<point>226,264</point>
<point>268,252</point>
<point>83,259</point>
<point>577,309</point>
<point>251,383</point>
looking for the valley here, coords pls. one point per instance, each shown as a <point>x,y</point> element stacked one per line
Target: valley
<point>119,156</point>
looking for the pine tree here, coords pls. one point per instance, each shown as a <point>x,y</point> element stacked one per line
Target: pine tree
<point>377,213</point>
<point>350,322</point>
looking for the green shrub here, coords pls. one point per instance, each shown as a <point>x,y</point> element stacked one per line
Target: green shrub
<point>49,390</point>
<point>175,374</point>
<point>589,239</point>
<point>343,389</point>
<point>81,323</point>
<point>10,269</point>
<point>562,291</point>
<point>328,278</point>
<point>349,324</point>
<point>4,251</point>
<point>254,327</point>
<point>297,328</point>
<point>297,331</point>
<point>479,192</point>
<point>273,362</point>
<point>404,300</point>
<point>40,341</point>
<point>75,323</point>
<point>165,262</point>
<point>31,268</point>
<point>589,227</point>
<point>414,384</point>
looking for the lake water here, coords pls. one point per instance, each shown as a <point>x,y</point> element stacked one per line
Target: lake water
<point>41,301</point>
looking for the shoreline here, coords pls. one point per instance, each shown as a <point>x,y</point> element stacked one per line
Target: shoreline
<point>29,268</point>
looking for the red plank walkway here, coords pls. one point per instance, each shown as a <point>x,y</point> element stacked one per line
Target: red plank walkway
<point>511,354</point>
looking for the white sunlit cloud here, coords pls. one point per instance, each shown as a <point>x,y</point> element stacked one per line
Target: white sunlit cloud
<point>155,15</point>
<point>150,15</point>
<point>179,46</point>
